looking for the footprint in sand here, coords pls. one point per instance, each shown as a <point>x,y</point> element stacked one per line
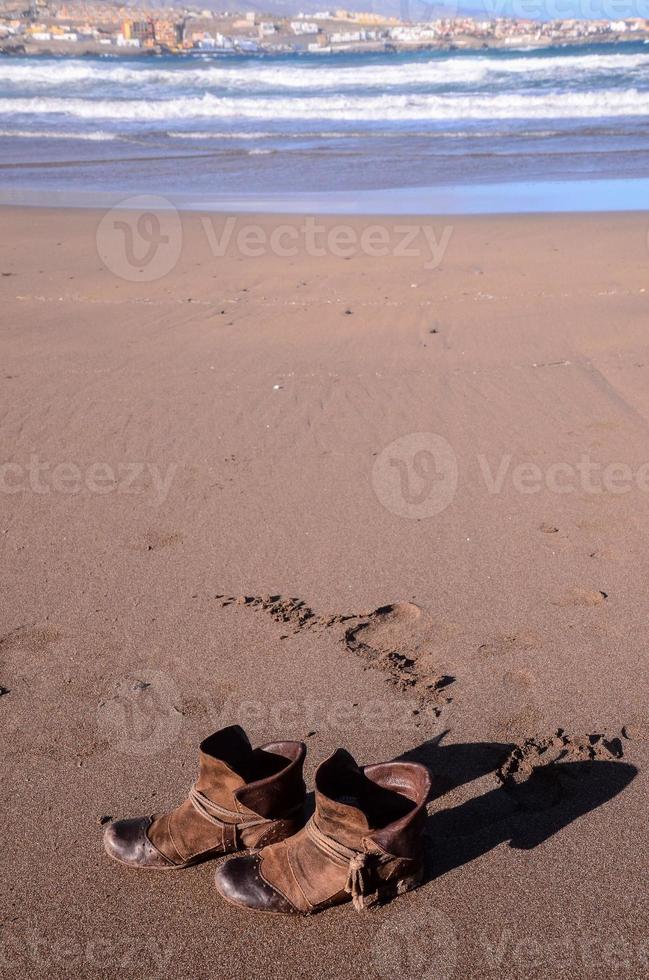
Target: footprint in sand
<point>514,642</point>
<point>515,726</point>
<point>535,775</point>
<point>637,730</point>
<point>156,540</point>
<point>519,680</point>
<point>290,611</point>
<point>519,685</point>
<point>401,639</point>
<point>548,528</point>
<point>582,597</point>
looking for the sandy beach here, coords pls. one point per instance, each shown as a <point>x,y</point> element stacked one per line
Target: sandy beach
<point>240,471</point>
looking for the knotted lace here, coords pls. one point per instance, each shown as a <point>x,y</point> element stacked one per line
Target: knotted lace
<point>359,882</point>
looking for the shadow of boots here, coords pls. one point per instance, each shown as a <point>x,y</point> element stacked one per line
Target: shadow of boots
<point>525,814</point>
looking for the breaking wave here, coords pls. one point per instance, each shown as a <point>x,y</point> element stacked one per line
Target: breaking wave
<point>238,76</point>
<point>388,107</point>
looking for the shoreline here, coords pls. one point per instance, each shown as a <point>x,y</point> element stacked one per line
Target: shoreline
<point>506,198</point>
<point>473,46</point>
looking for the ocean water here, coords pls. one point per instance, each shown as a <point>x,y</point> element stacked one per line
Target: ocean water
<point>208,128</point>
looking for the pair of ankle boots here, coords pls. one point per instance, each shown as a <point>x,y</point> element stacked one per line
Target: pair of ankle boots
<point>363,842</point>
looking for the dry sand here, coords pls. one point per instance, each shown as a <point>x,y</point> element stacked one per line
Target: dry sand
<point>519,607</point>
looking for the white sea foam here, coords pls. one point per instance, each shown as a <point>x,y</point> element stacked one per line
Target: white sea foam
<point>207,135</point>
<point>301,135</point>
<point>94,137</point>
<point>388,107</point>
<point>234,76</point>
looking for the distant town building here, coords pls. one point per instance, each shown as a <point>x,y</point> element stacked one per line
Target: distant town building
<point>167,32</point>
<point>140,24</point>
<point>139,30</point>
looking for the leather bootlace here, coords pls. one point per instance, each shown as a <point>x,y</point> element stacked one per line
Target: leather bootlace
<point>359,869</point>
<point>233,819</point>
<point>220,815</point>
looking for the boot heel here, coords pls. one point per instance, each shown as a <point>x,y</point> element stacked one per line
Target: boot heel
<point>410,882</point>
<point>399,886</point>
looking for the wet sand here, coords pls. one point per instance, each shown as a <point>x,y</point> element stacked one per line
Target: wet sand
<point>459,434</point>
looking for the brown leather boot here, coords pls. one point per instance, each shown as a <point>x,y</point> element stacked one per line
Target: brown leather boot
<point>364,843</point>
<point>242,798</point>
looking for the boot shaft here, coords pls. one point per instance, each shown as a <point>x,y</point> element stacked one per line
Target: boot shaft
<point>266,781</point>
<point>377,805</point>
<point>364,842</point>
<point>242,798</point>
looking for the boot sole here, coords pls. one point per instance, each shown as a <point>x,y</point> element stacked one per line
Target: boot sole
<point>386,893</point>
<point>392,889</point>
<point>201,859</point>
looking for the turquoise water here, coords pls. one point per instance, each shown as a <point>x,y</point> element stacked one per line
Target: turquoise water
<point>559,129</point>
